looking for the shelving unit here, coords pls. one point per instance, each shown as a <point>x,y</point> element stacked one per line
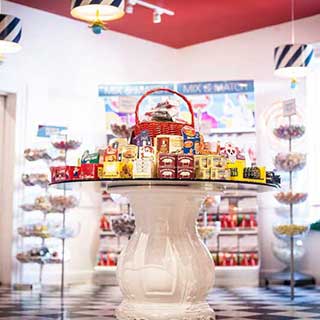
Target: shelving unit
<point>111,243</point>
<point>39,251</point>
<point>236,264</point>
<point>287,231</point>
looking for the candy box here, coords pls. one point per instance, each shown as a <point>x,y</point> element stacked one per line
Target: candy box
<point>143,168</point>
<point>168,143</point>
<point>90,171</point>
<point>167,173</point>
<point>219,174</point>
<point>126,169</point>
<point>129,152</point>
<point>217,161</point>
<point>142,139</point>
<point>203,161</point>
<point>111,170</point>
<point>90,157</point>
<point>203,174</point>
<point>185,161</point>
<point>146,152</point>
<point>111,154</point>
<point>191,140</point>
<point>58,174</point>
<point>167,160</point>
<point>63,173</point>
<point>185,173</point>
<point>74,172</point>
<point>118,143</point>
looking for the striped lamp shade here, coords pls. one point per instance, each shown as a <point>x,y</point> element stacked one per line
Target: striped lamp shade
<point>106,10</point>
<point>10,33</point>
<point>291,60</point>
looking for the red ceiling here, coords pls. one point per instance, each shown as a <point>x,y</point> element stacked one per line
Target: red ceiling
<point>196,21</point>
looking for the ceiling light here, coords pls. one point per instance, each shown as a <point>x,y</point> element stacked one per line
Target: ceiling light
<point>291,60</point>
<point>156,17</point>
<point>129,9</point>
<point>106,10</point>
<point>10,34</point>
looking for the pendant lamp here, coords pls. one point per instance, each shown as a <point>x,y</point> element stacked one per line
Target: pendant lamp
<point>10,34</point>
<point>291,60</point>
<point>105,10</point>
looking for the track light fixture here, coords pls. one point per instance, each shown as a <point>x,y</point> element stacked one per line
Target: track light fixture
<point>156,16</point>
<point>130,6</point>
<point>157,11</point>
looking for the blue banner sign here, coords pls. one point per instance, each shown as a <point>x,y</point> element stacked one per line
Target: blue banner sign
<point>110,90</point>
<point>48,131</point>
<point>216,87</point>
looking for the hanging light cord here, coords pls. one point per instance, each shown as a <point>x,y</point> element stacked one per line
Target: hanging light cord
<point>292,22</point>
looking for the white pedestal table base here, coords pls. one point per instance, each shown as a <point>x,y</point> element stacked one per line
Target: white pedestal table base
<point>165,272</point>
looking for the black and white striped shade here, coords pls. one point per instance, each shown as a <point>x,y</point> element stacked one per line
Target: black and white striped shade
<point>291,60</point>
<point>10,33</point>
<point>105,10</point>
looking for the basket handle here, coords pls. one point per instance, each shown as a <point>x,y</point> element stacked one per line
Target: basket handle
<point>168,90</point>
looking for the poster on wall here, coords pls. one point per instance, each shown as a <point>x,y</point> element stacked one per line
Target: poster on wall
<point>219,106</point>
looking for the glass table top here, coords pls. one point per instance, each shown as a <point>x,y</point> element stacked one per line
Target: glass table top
<point>223,186</point>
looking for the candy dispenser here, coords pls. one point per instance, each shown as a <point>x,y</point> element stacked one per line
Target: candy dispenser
<point>292,223</point>
<point>34,226</point>
<point>65,142</point>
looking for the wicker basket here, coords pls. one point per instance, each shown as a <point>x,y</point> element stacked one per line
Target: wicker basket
<point>156,128</point>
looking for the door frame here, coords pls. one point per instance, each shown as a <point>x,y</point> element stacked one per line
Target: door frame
<point>12,167</point>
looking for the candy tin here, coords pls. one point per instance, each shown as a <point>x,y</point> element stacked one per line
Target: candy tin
<point>166,160</point>
<point>185,161</point>
<point>167,173</point>
<point>185,173</point>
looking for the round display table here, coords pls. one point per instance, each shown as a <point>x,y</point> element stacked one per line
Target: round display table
<point>165,272</point>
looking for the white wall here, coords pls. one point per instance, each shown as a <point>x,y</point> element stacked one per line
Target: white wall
<point>250,56</point>
<point>57,73</point>
<point>56,76</point>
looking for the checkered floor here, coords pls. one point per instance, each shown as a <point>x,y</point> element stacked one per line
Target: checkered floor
<point>85,303</point>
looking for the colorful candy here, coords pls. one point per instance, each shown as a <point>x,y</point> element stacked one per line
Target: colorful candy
<point>289,131</point>
<point>292,161</point>
<point>291,197</point>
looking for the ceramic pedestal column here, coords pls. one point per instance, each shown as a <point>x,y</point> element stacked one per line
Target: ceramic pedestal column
<point>166,271</point>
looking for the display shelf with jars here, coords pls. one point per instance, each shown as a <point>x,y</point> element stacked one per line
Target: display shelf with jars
<point>229,228</point>
<point>37,233</point>
<point>292,223</point>
<point>66,200</point>
<point>116,224</point>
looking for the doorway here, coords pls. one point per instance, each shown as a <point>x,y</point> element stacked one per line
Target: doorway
<point>7,160</point>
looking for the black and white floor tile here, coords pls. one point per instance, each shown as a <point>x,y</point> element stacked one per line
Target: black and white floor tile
<point>87,303</point>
